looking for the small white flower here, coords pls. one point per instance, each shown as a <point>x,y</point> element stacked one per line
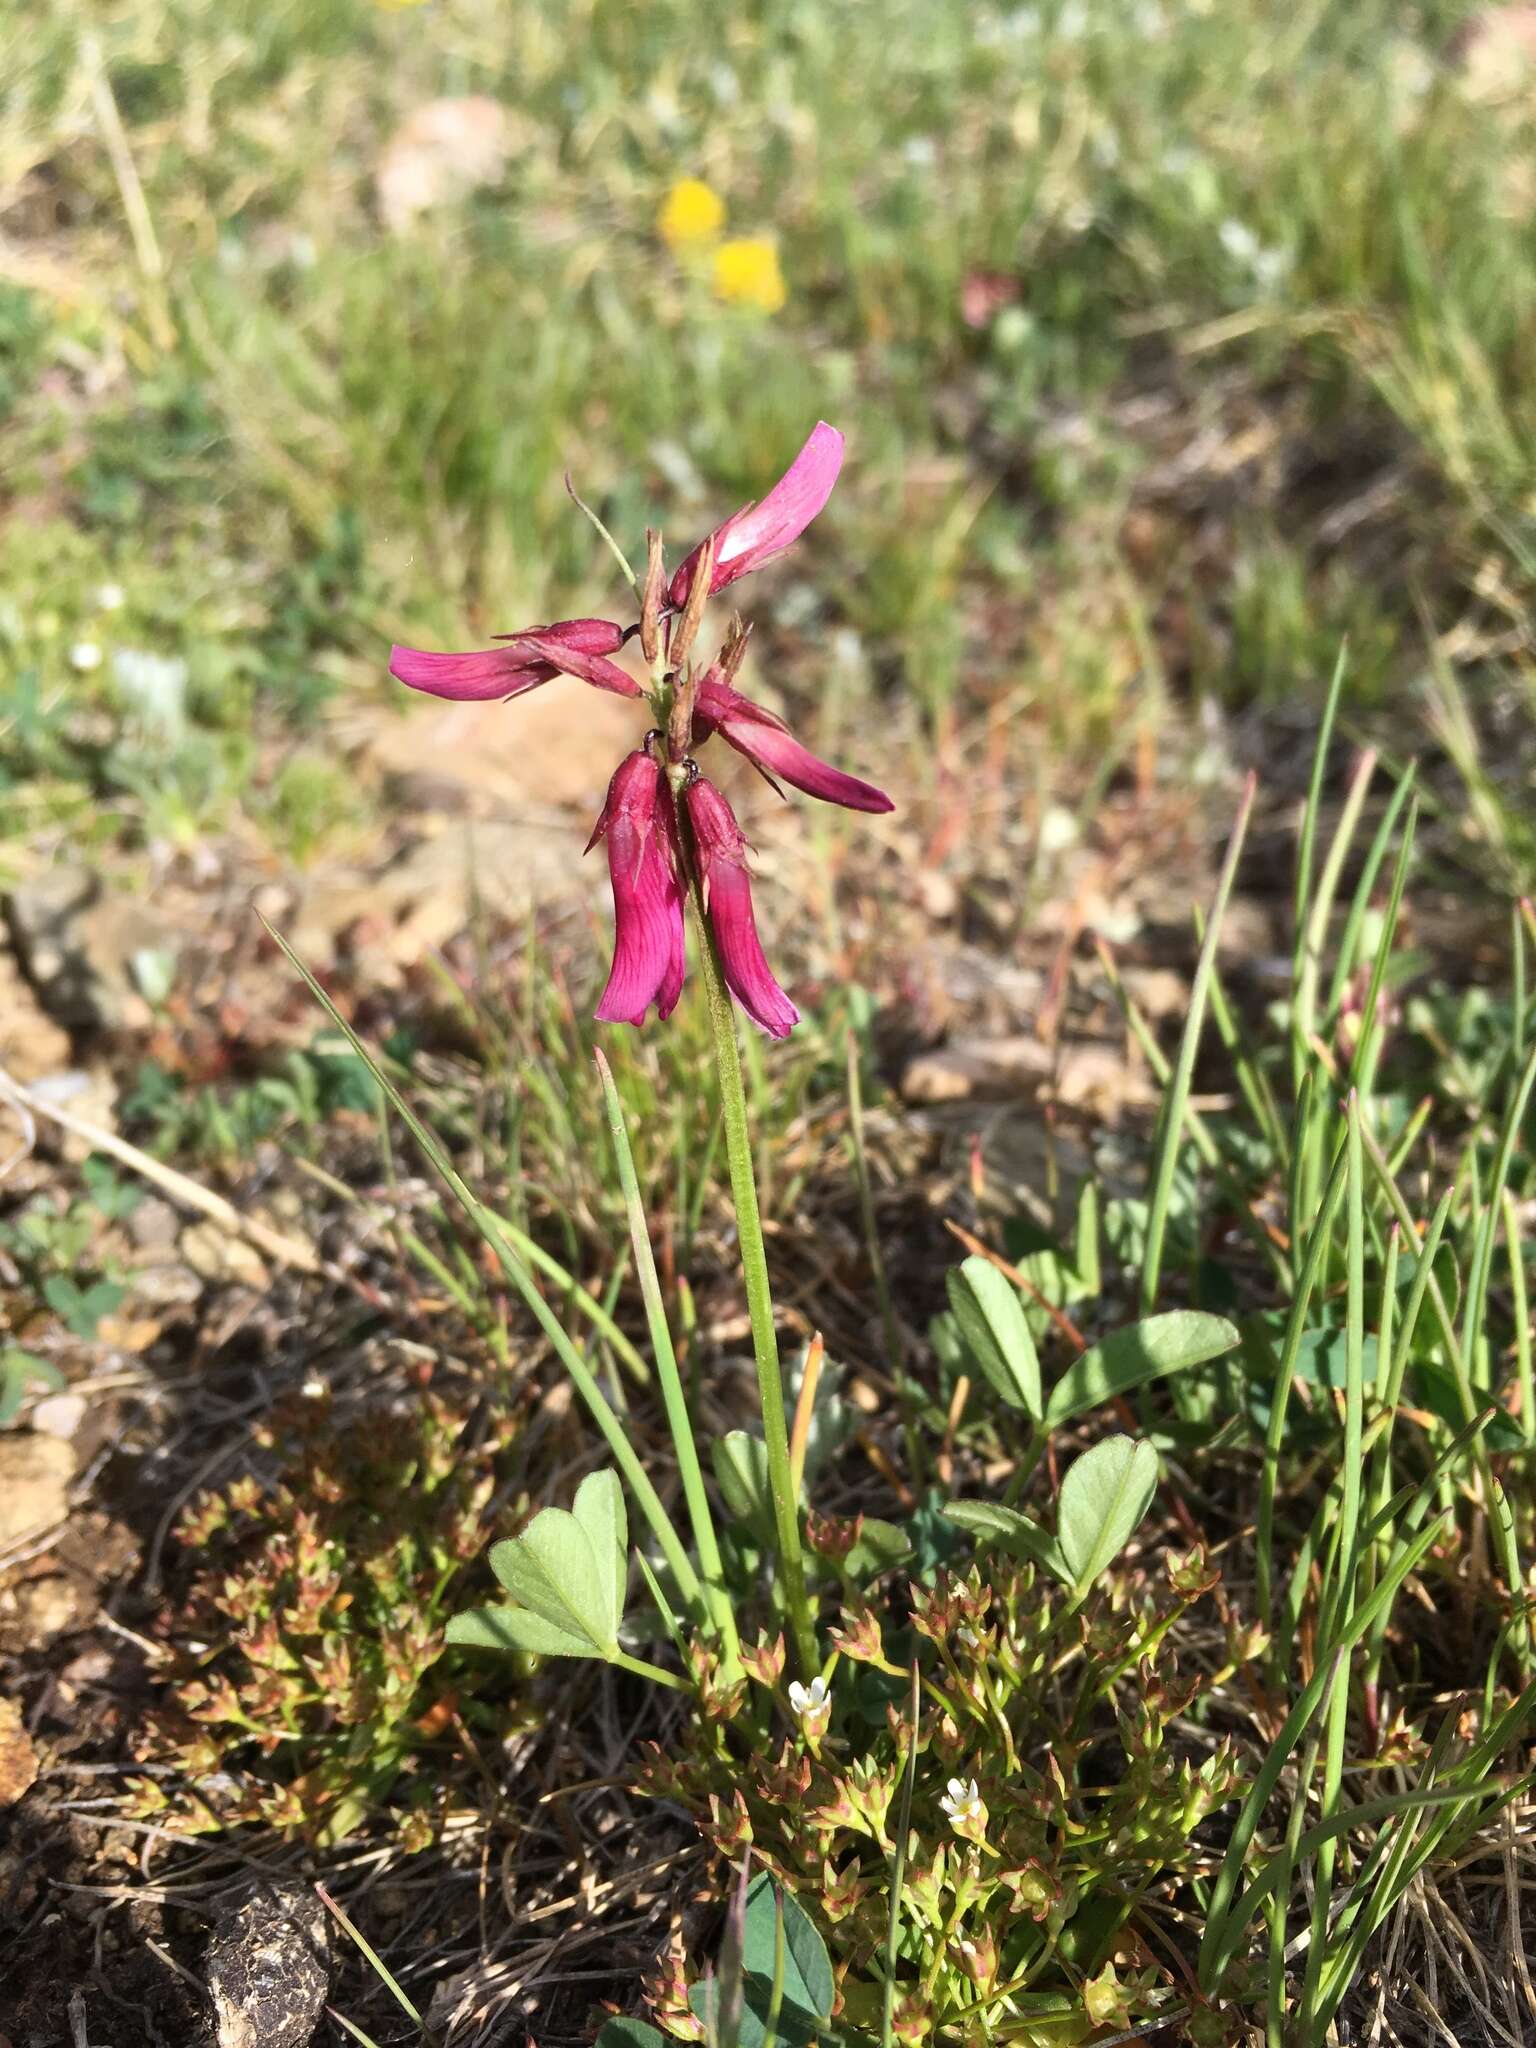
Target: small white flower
<point>85,655</point>
<point>962,1802</point>
<point>968,1636</point>
<point>811,1702</point>
<point>111,597</point>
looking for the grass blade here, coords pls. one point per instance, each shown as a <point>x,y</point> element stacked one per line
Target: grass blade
<point>1175,1103</point>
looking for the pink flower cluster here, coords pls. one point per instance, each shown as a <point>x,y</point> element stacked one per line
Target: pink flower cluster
<point>662,820</point>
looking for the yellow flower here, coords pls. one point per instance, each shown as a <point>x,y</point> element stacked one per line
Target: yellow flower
<point>691,212</point>
<point>747,273</point>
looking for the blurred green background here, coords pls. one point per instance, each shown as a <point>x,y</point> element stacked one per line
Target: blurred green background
<point>1173,344</point>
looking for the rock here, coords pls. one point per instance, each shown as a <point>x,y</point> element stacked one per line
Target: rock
<point>154,1225</point>
<point>1156,991</point>
<point>31,1043</point>
<point>557,747</point>
<point>18,1759</point>
<point>44,1609</point>
<point>938,895</point>
<point>1494,53</point>
<point>87,1093</point>
<point>59,1415</point>
<point>78,943</point>
<point>442,151</point>
<point>413,907</point>
<point>164,1286</point>
<point>214,1255</point>
<point>268,1969</point>
<point>35,1472</point>
<point>1099,1079</point>
<point>997,1067</point>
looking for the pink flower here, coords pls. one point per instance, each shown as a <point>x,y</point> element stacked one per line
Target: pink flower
<point>771,747</point>
<point>648,861</point>
<point>757,533</point>
<point>722,853</point>
<point>573,647</point>
<point>644,867</point>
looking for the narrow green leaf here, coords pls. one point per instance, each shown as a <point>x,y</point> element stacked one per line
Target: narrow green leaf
<point>991,1319</point>
<point>1170,1137</point>
<point>1148,1350</point>
<point>1103,1498</point>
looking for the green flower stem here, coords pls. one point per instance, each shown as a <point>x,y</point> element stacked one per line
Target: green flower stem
<point>673,1397</point>
<point>754,1271</point>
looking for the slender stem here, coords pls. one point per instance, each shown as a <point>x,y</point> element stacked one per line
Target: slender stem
<point>613,547</point>
<point>899,1868</point>
<point>754,1273</point>
<point>1523,1376</point>
<point>642,1669</point>
<point>675,1401</point>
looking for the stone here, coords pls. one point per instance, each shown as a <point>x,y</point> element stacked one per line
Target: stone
<point>31,1043</point>
<point>154,1224</point>
<point>45,1609</point>
<point>18,1759</point>
<point>938,895</point>
<point>214,1254</point>
<point>996,1067</point>
<point>555,749</point>
<point>1494,53</point>
<point>1156,991</point>
<point>442,151</point>
<point>35,1473</point>
<point>164,1286</point>
<point>89,1093</point>
<point>1100,1080</point>
<point>78,943</point>
<point>268,1968</point>
<point>414,906</point>
<point>59,1415</point>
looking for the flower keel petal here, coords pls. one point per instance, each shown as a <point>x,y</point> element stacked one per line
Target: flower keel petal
<point>722,861</point>
<point>647,896</point>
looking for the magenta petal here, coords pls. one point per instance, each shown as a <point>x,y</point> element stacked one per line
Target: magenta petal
<point>757,533</point>
<point>586,636</point>
<point>647,896</point>
<point>488,672</point>
<point>521,662</point>
<point>769,743</point>
<point>722,858</point>
<point>572,661</point>
<point>747,973</point>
